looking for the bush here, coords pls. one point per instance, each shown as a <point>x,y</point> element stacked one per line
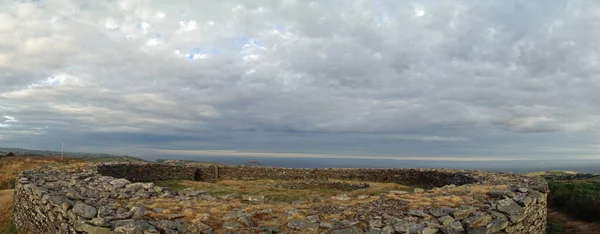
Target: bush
<point>578,199</point>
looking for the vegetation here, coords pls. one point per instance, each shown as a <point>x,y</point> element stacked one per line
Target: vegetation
<point>271,190</point>
<point>95,157</point>
<point>575,195</point>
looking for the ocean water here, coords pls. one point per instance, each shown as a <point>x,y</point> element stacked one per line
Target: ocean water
<point>522,166</point>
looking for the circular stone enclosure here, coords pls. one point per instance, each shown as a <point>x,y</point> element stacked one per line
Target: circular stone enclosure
<point>122,198</point>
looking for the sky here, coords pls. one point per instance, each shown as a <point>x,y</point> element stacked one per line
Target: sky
<point>453,79</point>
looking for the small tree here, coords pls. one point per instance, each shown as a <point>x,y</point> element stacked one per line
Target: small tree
<point>10,154</point>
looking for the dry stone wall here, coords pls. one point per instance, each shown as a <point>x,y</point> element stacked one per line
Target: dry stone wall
<point>82,201</point>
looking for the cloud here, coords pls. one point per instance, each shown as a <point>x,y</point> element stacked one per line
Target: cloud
<point>419,78</point>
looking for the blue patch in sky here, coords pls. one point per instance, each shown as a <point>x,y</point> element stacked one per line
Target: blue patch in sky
<point>279,27</point>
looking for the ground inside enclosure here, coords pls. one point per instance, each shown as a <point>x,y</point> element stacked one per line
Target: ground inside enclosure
<point>272,202</point>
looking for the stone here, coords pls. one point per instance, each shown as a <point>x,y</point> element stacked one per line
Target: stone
<point>418,190</point>
<point>268,229</point>
<point>522,190</point>
<point>397,192</point>
<point>91,229</point>
<point>350,230</point>
<point>418,213</point>
<point>174,216</point>
<point>312,218</point>
<point>137,212</point>
<point>375,223</point>
<point>119,183</point>
<point>500,193</point>
<point>416,228</point>
<point>476,220</point>
<point>101,222</point>
<point>401,226</point>
<point>512,210</point>
<point>439,212</point>
<point>232,225</point>
<point>134,227</point>
<point>253,198</point>
<point>462,212</point>
<point>479,230</point>
<point>199,227</point>
<point>446,220</point>
<point>326,225</point>
<point>229,196</point>
<point>453,228</point>
<point>342,197</point>
<point>164,225</point>
<point>429,230</point>
<point>300,224</point>
<point>523,200</point>
<point>497,225</point>
<point>362,197</point>
<point>85,210</point>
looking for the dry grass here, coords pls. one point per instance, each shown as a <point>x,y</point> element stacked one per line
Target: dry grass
<point>268,189</point>
<point>453,197</point>
<point>10,167</point>
<point>6,197</point>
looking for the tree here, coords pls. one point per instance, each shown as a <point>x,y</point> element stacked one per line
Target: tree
<point>10,154</point>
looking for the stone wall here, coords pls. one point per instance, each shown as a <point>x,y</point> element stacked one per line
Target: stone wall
<point>82,200</point>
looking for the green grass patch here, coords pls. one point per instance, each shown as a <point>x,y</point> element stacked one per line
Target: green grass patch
<point>176,185</point>
<point>11,228</point>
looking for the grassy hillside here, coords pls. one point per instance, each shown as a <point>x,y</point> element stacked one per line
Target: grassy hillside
<point>95,157</point>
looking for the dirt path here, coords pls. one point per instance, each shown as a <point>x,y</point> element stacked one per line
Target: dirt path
<point>6,197</point>
<point>573,226</point>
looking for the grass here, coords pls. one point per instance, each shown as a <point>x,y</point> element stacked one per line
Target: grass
<point>10,167</point>
<point>268,189</point>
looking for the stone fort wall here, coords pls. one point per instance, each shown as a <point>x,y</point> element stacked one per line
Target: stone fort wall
<point>79,200</point>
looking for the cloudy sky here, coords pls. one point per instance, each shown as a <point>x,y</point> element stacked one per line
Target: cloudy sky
<point>511,79</point>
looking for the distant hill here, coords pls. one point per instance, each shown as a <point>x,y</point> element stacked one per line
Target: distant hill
<point>95,157</point>
<point>552,173</point>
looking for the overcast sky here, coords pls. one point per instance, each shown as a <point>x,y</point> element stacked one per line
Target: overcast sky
<point>503,79</point>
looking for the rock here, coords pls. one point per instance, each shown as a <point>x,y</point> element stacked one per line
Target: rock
<point>476,220</point>
<point>158,210</point>
<point>362,197</point>
<point>327,225</point>
<point>85,210</point>
<point>119,183</point>
<point>453,228</point>
<point>134,227</point>
<point>268,229</point>
<point>174,216</point>
<point>99,222</point>
<point>479,230</point>
<point>253,198</point>
<point>300,224</point>
<point>91,229</point>
<point>397,192</point>
<point>244,219</point>
<point>512,210</point>
<point>312,218</point>
<point>137,212</point>
<point>429,230</point>
<point>401,225</point>
<point>342,197</point>
<point>418,213</point>
<point>229,196</point>
<point>500,193</point>
<point>350,230</point>
<point>523,200</point>
<point>199,227</point>
<point>462,212</point>
<point>416,228</point>
<point>497,224</point>
<point>232,225</point>
<point>164,225</point>
<point>446,220</point>
<point>299,202</point>
<point>375,223</point>
<point>418,190</point>
<point>522,190</point>
<point>439,212</point>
